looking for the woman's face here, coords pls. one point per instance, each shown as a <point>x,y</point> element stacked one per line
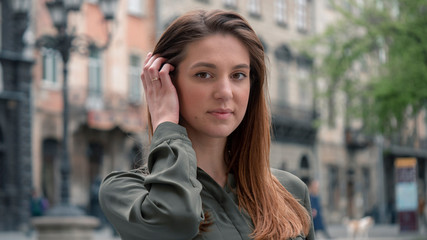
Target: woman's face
<point>213,86</point>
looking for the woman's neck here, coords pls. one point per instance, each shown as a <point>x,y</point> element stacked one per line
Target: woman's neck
<point>210,158</point>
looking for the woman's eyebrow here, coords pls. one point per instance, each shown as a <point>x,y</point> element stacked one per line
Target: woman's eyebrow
<point>204,64</point>
<point>210,65</point>
<point>239,66</point>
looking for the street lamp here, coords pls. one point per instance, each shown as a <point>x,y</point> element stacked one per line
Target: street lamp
<point>20,6</point>
<point>20,9</point>
<point>66,42</point>
<point>108,7</point>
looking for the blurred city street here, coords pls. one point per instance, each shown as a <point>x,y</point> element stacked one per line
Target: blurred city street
<point>338,232</point>
<point>347,102</point>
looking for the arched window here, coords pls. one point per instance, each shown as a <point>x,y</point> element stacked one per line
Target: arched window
<point>1,78</point>
<point>95,154</point>
<point>283,53</point>
<point>284,57</point>
<point>305,169</point>
<point>305,85</point>
<point>50,170</point>
<point>3,166</point>
<point>304,164</point>
<point>135,86</point>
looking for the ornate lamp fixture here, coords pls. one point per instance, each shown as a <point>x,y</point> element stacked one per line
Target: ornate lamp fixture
<point>66,42</point>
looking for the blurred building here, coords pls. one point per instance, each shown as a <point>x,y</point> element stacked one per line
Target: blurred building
<point>107,116</point>
<point>107,113</point>
<point>349,160</point>
<point>358,171</point>
<point>15,118</point>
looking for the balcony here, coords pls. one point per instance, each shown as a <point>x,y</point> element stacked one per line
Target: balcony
<point>293,125</point>
<point>355,139</point>
<point>107,111</point>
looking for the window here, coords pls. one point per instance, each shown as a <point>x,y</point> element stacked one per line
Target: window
<point>135,88</point>
<point>366,187</point>
<point>331,111</point>
<point>255,8</point>
<point>301,14</point>
<point>303,86</point>
<point>95,155</point>
<point>93,1</point>
<point>3,165</point>
<point>50,61</point>
<point>380,5</point>
<point>304,169</point>
<point>230,4</point>
<point>283,82</point>
<point>50,168</point>
<point>1,78</point>
<point>395,11</point>
<point>136,7</point>
<point>382,54</point>
<point>280,11</point>
<point>333,186</point>
<point>284,59</point>
<point>95,70</point>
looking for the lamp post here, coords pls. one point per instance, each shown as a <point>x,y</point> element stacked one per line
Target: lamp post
<point>66,42</point>
<point>15,112</point>
<point>65,221</point>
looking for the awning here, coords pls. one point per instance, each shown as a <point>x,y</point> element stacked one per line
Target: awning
<point>406,151</point>
<point>128,121</point>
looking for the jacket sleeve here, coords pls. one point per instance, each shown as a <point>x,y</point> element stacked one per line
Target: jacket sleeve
<point>307,205</point>
<point>164,204</point>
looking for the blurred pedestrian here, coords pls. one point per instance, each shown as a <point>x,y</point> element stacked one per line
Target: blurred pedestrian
<point>421,212</point>
<point>39,204</point>
<point>208,173</point>
<point>94,208</point>
<point>316,207</point>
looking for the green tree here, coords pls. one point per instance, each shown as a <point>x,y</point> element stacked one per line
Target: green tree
<point>377,54</point>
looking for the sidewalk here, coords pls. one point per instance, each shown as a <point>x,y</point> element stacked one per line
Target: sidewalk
<point>338,232</point>
<point>103,234</point>
<point>378,232</point>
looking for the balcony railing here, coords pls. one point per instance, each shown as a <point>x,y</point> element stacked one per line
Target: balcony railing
<point>356,139</point>
<point>293,124</point>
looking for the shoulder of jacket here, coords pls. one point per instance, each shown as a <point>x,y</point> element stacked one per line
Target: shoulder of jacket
<point>291,182</point>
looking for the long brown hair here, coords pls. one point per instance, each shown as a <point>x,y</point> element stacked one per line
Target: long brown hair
<point>276,214</point>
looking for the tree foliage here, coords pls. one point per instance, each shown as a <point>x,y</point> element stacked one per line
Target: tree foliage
<point>377,54</point>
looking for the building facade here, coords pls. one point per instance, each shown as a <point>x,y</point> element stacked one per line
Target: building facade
<point>313,138</point>
<point>106,103</point>
<point>358,171</point>
<point>107,112</point>
<point>15,119</point>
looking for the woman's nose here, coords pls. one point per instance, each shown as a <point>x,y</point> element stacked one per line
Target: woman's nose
<point>223,89</point>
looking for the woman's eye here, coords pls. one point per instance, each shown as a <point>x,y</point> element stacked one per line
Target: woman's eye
<point>203,75</point>
<point>239,76</point>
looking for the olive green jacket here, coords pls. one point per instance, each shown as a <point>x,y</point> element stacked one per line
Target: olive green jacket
<point>169,203</point>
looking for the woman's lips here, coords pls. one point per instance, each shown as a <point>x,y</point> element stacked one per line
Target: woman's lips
<point>221,113</point>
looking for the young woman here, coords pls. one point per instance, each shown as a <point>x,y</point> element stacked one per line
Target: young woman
<point>208,174</point>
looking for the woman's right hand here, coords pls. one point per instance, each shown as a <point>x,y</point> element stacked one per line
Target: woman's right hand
<point>160,93</point>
